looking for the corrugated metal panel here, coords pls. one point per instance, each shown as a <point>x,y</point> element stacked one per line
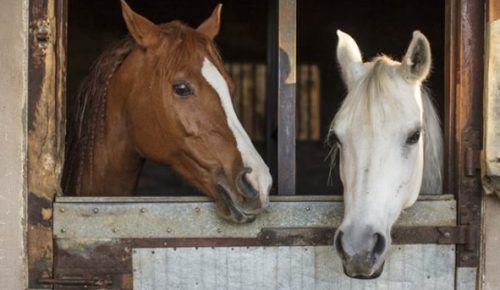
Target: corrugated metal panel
<point>95,220</point>
<point>408,267</point>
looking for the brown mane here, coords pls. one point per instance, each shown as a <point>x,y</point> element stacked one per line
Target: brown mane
<point>89,112</point>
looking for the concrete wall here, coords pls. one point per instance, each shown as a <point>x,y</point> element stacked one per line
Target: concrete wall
<point>13,96</point>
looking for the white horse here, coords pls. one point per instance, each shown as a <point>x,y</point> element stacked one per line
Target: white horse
<point>390,145</point>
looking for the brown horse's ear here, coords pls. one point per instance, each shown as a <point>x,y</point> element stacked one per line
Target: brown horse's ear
<point>211,26</point>
<point>145,32</point>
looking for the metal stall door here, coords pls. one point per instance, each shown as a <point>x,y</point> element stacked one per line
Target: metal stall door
<point>178,243</point>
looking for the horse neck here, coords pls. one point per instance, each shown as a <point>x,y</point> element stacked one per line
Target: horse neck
<point>433,149</point>
<point>108,163</point>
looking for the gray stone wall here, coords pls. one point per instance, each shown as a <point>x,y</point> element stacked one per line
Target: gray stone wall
<point>13,96</point>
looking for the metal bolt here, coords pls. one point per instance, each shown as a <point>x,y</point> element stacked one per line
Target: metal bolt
<point>165,244</point>
<point>96,210</point>
<point>143,210</point>
<point>308,208</point>
<point>197,209</point>
<point>447,234</point>
<point>61,209</point>
<point>169,230</point>
<point>115,230</point>
<point>63,230</point>
<point>267,237</point>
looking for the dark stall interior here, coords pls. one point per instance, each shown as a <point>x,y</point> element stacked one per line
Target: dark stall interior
<point>378,27</point>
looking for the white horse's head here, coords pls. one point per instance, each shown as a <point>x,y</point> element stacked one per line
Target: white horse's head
<point>390,148</point>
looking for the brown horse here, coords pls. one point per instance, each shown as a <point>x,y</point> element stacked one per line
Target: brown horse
<point>162,94</point>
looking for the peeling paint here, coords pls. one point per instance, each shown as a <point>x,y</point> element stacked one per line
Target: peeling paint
<point>46,213</point>
<point>46,143</point>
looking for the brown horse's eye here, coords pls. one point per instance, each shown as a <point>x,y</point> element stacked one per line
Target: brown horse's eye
<point>182,89</point>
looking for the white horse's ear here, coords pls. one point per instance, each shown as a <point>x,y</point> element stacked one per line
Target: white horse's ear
<point>349,58</point>
<point>416,64</point>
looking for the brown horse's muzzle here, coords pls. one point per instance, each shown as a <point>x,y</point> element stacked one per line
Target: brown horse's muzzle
<point>240,203</point>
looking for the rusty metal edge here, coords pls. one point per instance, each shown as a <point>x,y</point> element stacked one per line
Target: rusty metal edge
<point>468,70</point>
<point>270,237</point>
<point>197,199</point>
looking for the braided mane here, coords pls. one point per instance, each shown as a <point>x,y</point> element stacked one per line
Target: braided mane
<point>87,118</point>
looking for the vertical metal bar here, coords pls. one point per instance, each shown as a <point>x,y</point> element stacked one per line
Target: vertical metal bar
<point>286,95</point>
<point>450,170</point>
<point>272,88</point>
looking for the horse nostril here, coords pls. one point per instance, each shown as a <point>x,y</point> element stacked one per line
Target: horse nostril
<point>339,247</point>
<point>245,186</point>
<point>380,244</point>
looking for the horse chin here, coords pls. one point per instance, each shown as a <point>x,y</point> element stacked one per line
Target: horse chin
<point>362,276</point>
<point>229,209</point>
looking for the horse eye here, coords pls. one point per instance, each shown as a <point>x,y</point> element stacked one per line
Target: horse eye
<point>333,139</point>
<point>413,138</point>
<point>182,89</point>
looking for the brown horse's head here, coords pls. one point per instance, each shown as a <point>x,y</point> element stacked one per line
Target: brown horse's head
<point>176,100</point>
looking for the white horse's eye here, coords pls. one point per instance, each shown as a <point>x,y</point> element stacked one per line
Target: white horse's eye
<point>414,137</point>
<point>333,139</point>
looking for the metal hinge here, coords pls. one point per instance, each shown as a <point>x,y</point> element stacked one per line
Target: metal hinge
<point>96,282</point>
<point>459,235</point>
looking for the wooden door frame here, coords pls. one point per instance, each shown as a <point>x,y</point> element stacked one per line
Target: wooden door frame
<point>46,129</point>
<point>46,122</point>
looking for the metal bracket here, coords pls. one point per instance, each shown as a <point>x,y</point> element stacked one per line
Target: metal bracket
<point>469,197</point>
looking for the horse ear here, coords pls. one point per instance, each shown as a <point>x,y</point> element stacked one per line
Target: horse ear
<point>211,26</point>
<point>349,58</point>
<point>416,64</point>
<point>145,32</point>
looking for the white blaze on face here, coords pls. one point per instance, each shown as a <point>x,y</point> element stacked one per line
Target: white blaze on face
<point>259,178</point>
